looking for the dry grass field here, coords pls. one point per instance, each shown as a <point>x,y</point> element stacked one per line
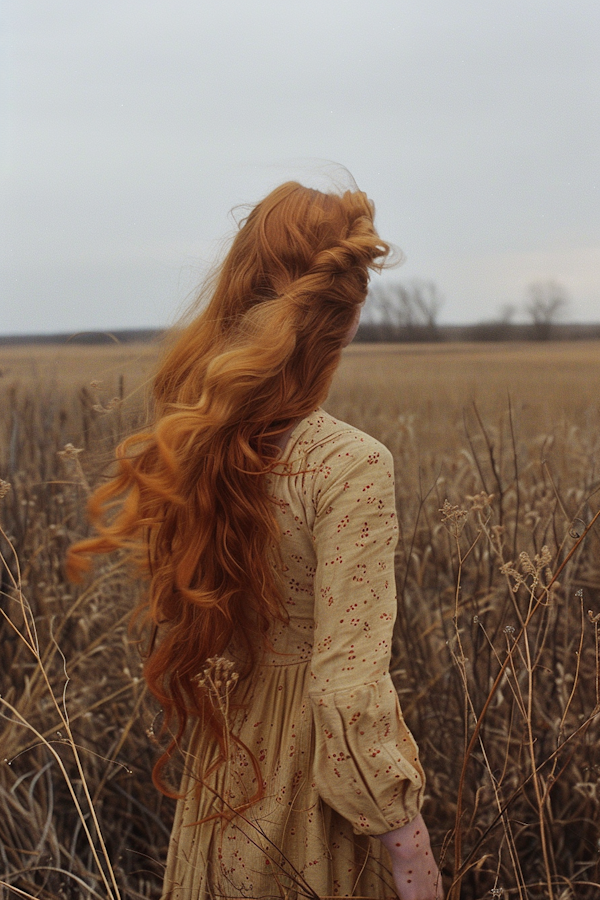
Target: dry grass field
<point>497,451</point>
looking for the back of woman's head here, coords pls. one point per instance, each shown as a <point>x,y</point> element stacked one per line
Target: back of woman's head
<point>189,502</point>
<point>286,295</point>
<point>296,232</point>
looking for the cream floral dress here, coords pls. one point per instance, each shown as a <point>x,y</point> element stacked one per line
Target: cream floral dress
<point>319,720</point>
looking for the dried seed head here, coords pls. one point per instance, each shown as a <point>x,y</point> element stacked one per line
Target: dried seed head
<point>218,677</point>
<point>508,569</point>
<point>70,452</point>
<point>112,404</point>
<point>545,557</point>
<point>453,518</point>
<point>527,564</point>
<point>4,488</point>
<point>481,500</point>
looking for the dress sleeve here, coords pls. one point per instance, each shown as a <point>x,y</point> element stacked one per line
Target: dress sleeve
<point>366,760</point>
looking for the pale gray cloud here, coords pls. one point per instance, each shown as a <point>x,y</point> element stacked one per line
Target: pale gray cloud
<point>135,126</point>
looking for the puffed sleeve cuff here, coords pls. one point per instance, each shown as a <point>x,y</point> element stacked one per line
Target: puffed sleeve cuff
<point>366,761</point>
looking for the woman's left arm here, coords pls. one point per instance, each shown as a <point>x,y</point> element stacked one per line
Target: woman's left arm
<point>366,760</point>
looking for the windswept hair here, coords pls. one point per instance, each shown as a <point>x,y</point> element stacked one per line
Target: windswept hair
<point>189,503</point>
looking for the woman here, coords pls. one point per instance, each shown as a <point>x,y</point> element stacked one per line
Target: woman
<point>266,531</point>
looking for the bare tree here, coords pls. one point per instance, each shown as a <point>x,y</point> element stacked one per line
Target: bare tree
<point>388,305</point>
<point>404,310</point>
<point>427,302</point>
<point>546,301</point>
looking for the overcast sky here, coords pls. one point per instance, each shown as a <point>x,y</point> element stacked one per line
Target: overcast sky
<point>134,126</point>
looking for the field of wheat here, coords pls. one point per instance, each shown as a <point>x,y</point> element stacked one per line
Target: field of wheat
<point>497,454</point>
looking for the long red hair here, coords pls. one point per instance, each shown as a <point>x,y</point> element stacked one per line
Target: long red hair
<point>189,503</point>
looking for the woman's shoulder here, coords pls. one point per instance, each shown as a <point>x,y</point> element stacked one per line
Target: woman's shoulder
<point>321,436</point>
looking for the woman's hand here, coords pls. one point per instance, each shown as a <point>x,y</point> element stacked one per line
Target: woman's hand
<point>416,875</point>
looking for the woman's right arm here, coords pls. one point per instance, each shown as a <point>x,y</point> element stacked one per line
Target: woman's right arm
<point>416,875</point>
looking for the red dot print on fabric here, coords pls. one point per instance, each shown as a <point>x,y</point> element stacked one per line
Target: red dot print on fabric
<point>314,711</point>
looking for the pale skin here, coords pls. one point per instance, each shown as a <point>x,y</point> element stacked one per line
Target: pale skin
<point>416,875</point>
<point>354,327</point>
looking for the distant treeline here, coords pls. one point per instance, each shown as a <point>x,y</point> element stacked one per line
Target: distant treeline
<point>484,331</point>
<point>410,312</point>
<point>123,336</point>
<point>368,332</point>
